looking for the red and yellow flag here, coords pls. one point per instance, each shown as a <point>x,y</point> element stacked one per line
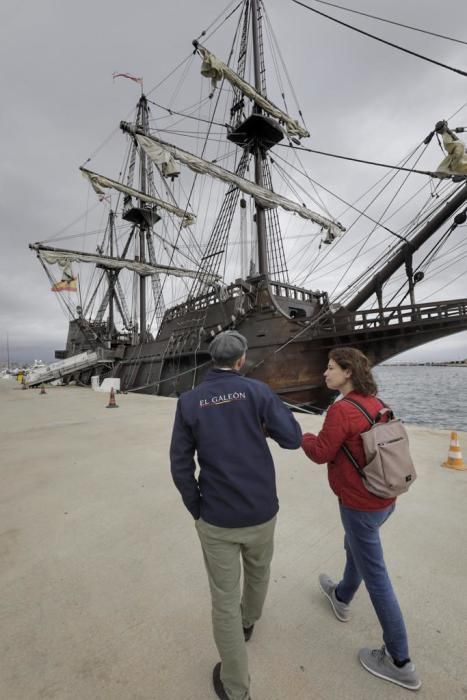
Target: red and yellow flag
<point>66,285</point>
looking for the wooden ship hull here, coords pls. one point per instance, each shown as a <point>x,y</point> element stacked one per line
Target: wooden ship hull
<point>289,354</point>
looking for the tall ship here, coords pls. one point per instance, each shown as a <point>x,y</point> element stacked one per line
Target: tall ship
<point>213,222</point>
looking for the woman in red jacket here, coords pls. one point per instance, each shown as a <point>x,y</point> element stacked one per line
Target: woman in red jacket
<point>362,514</point>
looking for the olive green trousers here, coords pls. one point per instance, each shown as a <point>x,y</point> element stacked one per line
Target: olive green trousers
<point>224,550</point>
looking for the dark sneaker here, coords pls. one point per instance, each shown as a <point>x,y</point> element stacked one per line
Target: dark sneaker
<point>217,683</point>
<point>247,632</point>
<point>379,663</point>
<point>341,610</point>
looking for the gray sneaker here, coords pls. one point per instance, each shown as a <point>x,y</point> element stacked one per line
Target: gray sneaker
<point>341,610</point>
<point>379,663</point>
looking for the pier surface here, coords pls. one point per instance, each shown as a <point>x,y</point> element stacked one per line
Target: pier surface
<point>103,593</point>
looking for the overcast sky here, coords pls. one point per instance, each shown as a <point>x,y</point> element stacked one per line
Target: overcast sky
<point>59,104</point>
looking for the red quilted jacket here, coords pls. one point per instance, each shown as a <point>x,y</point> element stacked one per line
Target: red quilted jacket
<point>344,423</point>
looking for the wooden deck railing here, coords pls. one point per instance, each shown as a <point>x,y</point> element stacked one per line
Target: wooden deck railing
<point>418,314</point>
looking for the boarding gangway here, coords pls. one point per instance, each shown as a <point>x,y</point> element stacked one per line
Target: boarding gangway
<point>67,367</point>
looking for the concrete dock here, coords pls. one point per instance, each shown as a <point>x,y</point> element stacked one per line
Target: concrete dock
<point>103,593</point>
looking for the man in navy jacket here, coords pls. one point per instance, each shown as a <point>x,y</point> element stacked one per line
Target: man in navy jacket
<point>225,421</point>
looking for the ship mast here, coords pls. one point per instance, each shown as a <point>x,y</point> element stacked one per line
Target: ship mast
<point>258,153</point>
<point>142,108</point>
<point>144,215</point>
<point>111,278</point>
<point>255,132</point>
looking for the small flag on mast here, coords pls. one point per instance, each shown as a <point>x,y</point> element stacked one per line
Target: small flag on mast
<point>67,285</point>
<point>129,76</point>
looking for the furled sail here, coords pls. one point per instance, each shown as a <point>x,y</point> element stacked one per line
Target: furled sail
<point>266,198</point>
<point>215,69</point>
<point>99,181</point>
<point>455,162</point>
<point>166,162</point>
<point>64,257</point>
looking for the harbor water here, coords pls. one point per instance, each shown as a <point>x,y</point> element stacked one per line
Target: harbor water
<point>426,395</point>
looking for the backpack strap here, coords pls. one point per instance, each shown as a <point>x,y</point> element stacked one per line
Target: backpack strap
<point>382,411</point>
<point>372,421</point>
<point>363,410</point>
<point>352,459</point>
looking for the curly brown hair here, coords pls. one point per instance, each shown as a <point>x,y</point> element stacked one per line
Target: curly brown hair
<point>359,364</point>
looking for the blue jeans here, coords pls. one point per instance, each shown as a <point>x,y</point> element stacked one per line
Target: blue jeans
<point>365,561</point>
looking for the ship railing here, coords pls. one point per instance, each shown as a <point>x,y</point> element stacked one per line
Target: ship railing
<point>396,315</point>
<point>233,291</point>
<point>203,302</point>
<point>289,291</point>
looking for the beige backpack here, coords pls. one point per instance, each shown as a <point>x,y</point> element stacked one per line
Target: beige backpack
<point>389,469</point>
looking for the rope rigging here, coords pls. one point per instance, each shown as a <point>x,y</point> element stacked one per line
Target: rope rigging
<point>205,34</point>
<point>314,182</point>
<point>380,223</point>
<point>365,238</point>
<point>368,273</point>
<point>383,41</point>
<point>185,62</point>
<point>286,178</point>
<point>432,253</point>
<point>430,173</point>
<point>348,292</point>
<point>389,21</point>
<point>275,47</point>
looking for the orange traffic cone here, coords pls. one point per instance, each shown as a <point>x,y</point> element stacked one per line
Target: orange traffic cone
<point>42,391</point>
<point>454,460</point>
<point>112,403</point>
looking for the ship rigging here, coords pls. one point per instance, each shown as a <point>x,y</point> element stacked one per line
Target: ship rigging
<point>191,281</point>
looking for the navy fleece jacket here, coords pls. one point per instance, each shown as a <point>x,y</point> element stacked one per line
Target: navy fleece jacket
<point>224,421</point>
